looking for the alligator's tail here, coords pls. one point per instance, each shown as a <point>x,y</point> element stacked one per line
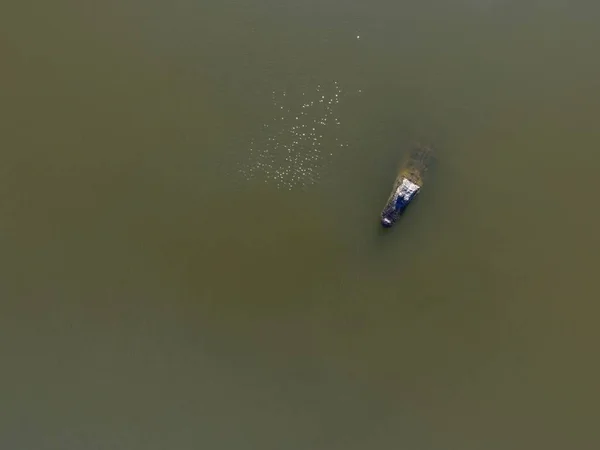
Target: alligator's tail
<point>416,163</point>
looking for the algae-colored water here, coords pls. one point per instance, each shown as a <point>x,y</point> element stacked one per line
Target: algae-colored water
<point>189,217</point>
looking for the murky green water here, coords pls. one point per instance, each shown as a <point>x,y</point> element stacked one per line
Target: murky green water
<point>191,256</point>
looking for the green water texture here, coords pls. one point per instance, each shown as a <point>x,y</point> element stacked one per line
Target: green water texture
<point>154,295</point>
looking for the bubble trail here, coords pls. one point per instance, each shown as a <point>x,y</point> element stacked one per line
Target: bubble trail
<point>293,148</point>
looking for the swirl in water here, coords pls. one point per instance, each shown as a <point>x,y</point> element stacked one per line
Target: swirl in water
<point>297,143</point>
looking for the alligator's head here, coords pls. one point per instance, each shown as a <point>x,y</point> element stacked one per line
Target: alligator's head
<point>387,221</point>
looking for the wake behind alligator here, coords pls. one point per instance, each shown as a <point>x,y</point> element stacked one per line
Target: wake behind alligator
<point>408,183</point>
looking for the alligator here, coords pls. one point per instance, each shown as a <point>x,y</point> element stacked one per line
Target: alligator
<point>408,184</point>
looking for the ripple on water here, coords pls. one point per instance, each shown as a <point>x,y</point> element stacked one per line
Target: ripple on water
<point>292,149</point>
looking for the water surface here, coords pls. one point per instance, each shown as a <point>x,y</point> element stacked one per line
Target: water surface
<point>155,295</point>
